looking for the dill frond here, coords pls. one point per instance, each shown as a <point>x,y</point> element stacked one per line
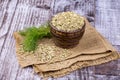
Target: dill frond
<point>32,35</point>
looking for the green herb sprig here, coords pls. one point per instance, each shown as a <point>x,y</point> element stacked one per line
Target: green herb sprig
<point>33,34</point>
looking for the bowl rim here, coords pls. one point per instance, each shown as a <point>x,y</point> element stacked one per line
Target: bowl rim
<point>74,31</point>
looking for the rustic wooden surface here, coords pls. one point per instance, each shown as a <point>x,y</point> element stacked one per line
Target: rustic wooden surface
<point>18,14</point>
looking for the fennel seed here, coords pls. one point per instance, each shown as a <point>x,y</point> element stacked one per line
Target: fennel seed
<point>67,21</point>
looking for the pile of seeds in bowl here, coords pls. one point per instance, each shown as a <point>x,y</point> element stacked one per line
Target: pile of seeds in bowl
<point>67,21</point>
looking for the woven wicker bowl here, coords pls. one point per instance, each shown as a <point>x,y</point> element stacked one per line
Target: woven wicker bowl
<point>66,39</point>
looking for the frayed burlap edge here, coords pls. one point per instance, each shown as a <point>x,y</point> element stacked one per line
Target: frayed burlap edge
<point>79,65</point>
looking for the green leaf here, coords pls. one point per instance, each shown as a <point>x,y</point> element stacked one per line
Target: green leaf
<point>33,34</point>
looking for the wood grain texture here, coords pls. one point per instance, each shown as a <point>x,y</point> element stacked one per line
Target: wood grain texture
<point>19,14</point>
<point>6,15</point>
<point>108,19</point>
<point>107,22</point>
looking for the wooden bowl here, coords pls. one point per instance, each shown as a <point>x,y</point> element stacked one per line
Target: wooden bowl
<point>66,39</point>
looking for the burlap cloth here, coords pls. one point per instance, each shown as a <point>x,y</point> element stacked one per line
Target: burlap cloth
<point>92,49</point>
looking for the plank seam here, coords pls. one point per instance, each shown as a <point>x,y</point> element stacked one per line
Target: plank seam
<point>8,29</point>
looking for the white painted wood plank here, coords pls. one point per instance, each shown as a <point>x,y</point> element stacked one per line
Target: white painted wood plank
<point>108,19</point>
<point>8,9</point>
<point>107,22</point>
<point>105,77</point>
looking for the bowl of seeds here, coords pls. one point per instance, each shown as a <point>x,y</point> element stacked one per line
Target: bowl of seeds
<point>67,28</point>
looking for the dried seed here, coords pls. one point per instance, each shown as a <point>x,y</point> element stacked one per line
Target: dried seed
<point>64,21</point>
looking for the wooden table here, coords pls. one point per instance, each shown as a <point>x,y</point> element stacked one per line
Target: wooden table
<point>18,14</point>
